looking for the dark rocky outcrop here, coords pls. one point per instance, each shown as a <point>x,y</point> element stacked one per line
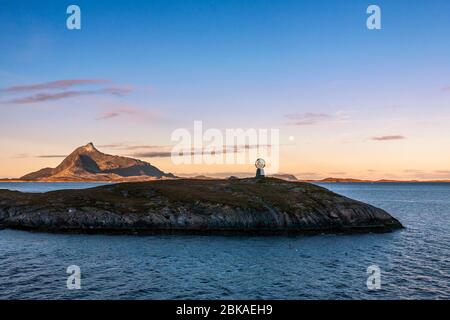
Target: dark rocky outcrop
<point>265,206</point>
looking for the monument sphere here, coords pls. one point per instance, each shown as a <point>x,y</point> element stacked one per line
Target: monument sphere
<point>260,163</point>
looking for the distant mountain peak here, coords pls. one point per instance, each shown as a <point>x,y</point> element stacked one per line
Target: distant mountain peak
<point>90,147</point>
<point>87,163</point>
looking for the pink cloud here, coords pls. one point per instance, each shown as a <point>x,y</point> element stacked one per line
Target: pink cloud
<point>65,91</point>
<point>108,115</point>
<point>58,84</point>
<point>165,151</point>
<point>388,138</point>
<point>42,97</point>
<point>116,113</point>
<point>312,118</point>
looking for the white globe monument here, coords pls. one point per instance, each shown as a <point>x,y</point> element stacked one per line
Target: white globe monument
<point>260,164</point>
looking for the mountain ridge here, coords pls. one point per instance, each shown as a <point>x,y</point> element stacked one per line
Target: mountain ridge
<point>86,163</point>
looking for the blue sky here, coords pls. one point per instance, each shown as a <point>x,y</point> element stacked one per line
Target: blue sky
<point>234,63</point>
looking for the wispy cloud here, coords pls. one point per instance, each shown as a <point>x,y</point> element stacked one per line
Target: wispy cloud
<point>42,97</point>
<point>126,147</point>
<point>128,113</point>
<point>62,90</point>
<point>312,118</point>
<point>110,146</point>
<point>54,85</point>
<point>26,155</point>
<point>116,90</point>
<point>153,154</point>
<point>108,115</point>
<point>428,175</point>
<point>115,114</point>
<point>21,156</point>
<point>447,172</point>
<point>51,156</point>
<point>413,171</point>
<point>165,151</point>
<point>388,138</point>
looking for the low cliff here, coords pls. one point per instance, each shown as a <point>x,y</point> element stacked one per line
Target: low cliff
<point>267,206</point>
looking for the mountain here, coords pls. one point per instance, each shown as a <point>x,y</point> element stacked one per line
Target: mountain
<point>285,176</point>
<point>88,164</point>
<point>341,180</point>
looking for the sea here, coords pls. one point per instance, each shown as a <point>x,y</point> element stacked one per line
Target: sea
<point>413,263</point>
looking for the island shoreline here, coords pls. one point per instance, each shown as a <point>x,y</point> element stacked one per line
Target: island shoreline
<point>212,232</point>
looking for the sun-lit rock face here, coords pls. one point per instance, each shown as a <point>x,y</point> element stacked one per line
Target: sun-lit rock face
<point>90,147</point>
<point>86,163</point>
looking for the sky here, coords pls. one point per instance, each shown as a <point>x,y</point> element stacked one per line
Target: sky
<point>347,101</point>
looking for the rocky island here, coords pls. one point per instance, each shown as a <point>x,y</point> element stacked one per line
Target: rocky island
<point>233,206</point>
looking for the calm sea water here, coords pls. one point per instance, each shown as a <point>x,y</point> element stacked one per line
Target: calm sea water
<point>415,262</point>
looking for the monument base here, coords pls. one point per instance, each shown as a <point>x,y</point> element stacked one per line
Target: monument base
<point>260,173</point>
